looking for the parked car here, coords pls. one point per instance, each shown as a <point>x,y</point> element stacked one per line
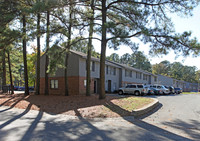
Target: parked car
<point>31,88</point>
<point>178,90</point>
<point>152,90</point>
<point>160,87</point>
<point>16,88</point>
<point>21,88</point>
<point>149,90</point>
<point>171,89</point>
<point>137,89</point>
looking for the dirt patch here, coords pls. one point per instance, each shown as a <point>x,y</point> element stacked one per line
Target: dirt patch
<point>79,105</point>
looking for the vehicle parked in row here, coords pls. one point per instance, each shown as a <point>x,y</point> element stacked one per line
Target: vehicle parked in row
<point>152,91</point>
<point>149,90</point>
<point>171,89</point>
<point>160,87</point>
<point>157,91</point>
<point>21,88</point>
<point>178,90</point>
<point>16,88</point>
<point>137,89</point>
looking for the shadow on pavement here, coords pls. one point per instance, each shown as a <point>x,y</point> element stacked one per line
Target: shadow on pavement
<point>29,132</point>
<point>16,117</point>
<point>191,128</point>
<point>151,112</point>
<point>146,126</point>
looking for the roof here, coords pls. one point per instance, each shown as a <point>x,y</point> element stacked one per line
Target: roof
<point>83,55</point>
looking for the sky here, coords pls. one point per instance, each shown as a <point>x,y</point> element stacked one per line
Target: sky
<point>181,25</point>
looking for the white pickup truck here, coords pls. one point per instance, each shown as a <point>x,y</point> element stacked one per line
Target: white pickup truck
<point>136,89</point>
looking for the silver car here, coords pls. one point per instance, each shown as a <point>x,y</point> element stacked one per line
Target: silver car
<point>137,89</point>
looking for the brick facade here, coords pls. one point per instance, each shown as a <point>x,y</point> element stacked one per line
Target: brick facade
<point>75,84</point>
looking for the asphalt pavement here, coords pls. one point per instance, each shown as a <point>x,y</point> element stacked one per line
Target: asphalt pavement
<point>177,118</point>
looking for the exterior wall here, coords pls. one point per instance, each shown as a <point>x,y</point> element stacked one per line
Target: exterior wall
<point>127,79</point>
<point>95,74</point>
<point>82,86</point>
<point>82,68</point>
<point>60,89</point>
<point>137,80</point>
<point>154,79</point>
<point>113,78</point>
<point>164,80</point>
<point>73,67</point>
<point>75,84</point>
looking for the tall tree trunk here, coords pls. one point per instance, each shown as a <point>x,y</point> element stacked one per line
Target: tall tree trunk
<point>38,56</point>
<point>68,50</point>
<point>89,50</point>
<point>66,78</point>
<point>10,71</point>
<point>102,94</point>
<point>24,56</point>
<point>4,70</point>
<point>47,57</point>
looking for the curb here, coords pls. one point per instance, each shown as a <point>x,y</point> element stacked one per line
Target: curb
<point>146,109</point>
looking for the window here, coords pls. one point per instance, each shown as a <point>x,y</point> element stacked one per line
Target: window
<point>138,75</point>
<point>155,79</point>
<point>140,86</point>
<point>114,71</point>
<point>54,84</point>
<point>85,83</point>
<point>126,73</point>
<point>144,77</point>
<point>93,66</point>
<point>132,86</point>
<point>130,74</point>
<point>106,69</point>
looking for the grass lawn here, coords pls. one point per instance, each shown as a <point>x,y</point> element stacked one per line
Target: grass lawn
<point>79,105</point>
<point>190,92</point>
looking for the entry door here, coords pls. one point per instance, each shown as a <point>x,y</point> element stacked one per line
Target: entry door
<point>95,86</point>
<point>109,86</point>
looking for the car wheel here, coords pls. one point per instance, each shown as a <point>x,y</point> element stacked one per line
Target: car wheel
<point>120,92</point>
<point>137,93</point>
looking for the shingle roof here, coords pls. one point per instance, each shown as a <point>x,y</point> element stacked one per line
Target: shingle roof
<point>111,63</point>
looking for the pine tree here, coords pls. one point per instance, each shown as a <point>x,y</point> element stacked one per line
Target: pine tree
<point>47,57</point>
<point>146,20</point>
<point>91,22</point>
<point>10,72</point>
<point>24,56</point>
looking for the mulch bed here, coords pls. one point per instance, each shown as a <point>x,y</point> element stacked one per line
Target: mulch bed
<point>79,105</point>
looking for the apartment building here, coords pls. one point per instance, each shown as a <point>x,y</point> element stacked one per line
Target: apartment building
<point>116,76</point>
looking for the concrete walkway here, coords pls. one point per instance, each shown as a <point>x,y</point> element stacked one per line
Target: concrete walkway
<point>28,125</point>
